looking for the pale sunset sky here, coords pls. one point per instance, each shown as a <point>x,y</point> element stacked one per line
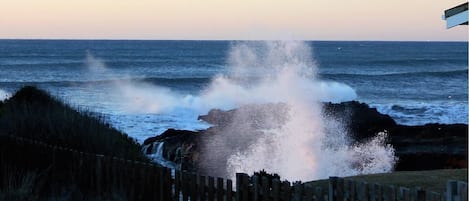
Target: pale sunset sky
<point>403,20</point>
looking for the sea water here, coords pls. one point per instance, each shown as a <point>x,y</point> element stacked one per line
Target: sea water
<point>146,87</point>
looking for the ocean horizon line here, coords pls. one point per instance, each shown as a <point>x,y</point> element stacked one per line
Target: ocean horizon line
<point>221,40</point>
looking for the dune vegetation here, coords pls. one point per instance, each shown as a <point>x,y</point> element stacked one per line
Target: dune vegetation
<point>34,114</point>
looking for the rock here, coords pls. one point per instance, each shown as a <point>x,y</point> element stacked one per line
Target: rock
<point>175,142</point>
<point>430,139</point>
<point>217,117</point>
<point>361,120</point>
<point>170,135</point>
<point>431,146</point>
<point>259,116</point>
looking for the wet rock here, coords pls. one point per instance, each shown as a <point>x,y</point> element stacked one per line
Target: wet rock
<point>361,120</point>
<point>431,146</point>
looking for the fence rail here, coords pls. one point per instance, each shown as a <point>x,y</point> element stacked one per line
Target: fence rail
<point>106,176</point>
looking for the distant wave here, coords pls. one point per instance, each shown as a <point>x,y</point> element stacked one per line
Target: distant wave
<point>413,62</point>
<point>156,80</point>
<point>419,73</point>
<point>419,114</point>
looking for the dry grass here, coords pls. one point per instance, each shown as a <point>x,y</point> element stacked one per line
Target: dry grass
<point>431,180</point>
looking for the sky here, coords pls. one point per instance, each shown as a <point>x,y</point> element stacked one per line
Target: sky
<point>389,20</point>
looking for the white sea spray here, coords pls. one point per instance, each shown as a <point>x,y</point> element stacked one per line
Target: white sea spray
<point>305,145</point>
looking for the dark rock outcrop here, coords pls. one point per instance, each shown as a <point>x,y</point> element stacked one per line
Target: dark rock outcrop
<point>424,147</point>
<point>361,120</point>
<point>178,146</point>
<point>259,116</point>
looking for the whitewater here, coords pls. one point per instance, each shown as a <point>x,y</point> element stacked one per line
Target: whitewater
<point>306,146</point>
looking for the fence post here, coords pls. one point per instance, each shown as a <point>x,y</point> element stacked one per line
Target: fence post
<point>156,182</point>
<point>211,186</point>
<point>286,191</point>
<point>372,192</point>
<point>133,176</point>
<point>161,183</point>
<point>220,189</point>
<point>462,191</point>
<point>168,183</point>
<point>193,187</point>
<point>353,191</point>
<point>340,189</point>
<point>202,188</point>
<point>365,191</point>
<point>177,184</point>
<point>451,190</point>
<point>255,186</point>
<point>378,192</point>
<point>185,186</point>
<point>421,194</point>
<point>276,189</point>
<point>297,192</point>
<point>346,189</point>
<point>362,191</point>
<point>142,180</point>
<point>265,188</point>
<point>242,191</point>
<point>148,185</point>
<point>404,194</point>
<point>333,188</point>
<point>229,190</point>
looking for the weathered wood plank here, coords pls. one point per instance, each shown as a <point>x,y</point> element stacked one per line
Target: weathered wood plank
<point>462,191</point>
<point>211,189</point>
<point>220,189</point>
<point>333,188</point>
<point>451,190</point>
<point>404,194</point>
<point>202,188</point>
<point>265,188</point>
<point>242,184</point>
<point>286,191</point>
<point>297,192</point>
<point>421,194</point>
<point>229,190</point>
<point>193,187</point>
<point>185,186</point>
<point>177,185</point>
<point>276,189</point>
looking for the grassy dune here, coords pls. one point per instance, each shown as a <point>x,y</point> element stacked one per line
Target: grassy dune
<point>33,113</point>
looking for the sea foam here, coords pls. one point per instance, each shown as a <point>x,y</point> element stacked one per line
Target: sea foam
<point>4,95</point>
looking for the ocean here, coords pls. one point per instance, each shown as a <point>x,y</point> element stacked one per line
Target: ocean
<point>146,87</point>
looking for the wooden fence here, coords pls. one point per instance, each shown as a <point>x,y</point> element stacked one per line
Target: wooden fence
<point>106,177</point>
